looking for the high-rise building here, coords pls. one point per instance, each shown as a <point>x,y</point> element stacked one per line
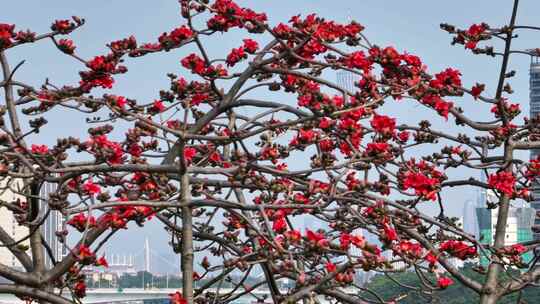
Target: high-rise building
<point>518,227</point>
<point>470,221</point>
<point>147,256</point>
<point>346,79</point>
<point>52,224</point>
<point>535,111</point>
<point>8,222</point>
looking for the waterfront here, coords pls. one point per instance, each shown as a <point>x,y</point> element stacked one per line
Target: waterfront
<point>133,296</point>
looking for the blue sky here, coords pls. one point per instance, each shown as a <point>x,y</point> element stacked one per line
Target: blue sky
<point>411,26</point>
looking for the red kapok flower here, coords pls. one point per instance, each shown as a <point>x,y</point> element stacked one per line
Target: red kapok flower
<point>444,282</point>
<point>423,186</point>
<point>251,46</point>
<point>177,298</point>
<point>90,188</point>
<point>330,267</point>
<point>235,56</point>
<point>66,46</point>
<point>317,238</point>
<point>40,149</point>
<point>477,90</point>
<point>85,255</point>
<point>189,153</point>
<point>157,106</point>
<point>80,222</point>
<point>458,249</point>
<point>431,259</point>
<point>503,181</point>
<point>63,26</point>
<point>79,289</point>
<point>279,225</point>
<point>6,35</point>
<point>215,157</point>
<point>383,124</point>
<point>119,101</point>
<point>102,262</point>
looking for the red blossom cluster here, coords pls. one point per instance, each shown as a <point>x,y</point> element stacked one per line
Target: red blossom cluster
<point>356,154</point>
<point>503,181</point>
<point>228,14</point>
<point>119,216</point>
<point>67,46</point>
<point>474,34</point>
<point>533,169</point>
<point>458,249</point>
<point>198,66</point>
<point>409,249</point>
<point>177,298</point>
<point>104,149</point>
<point>470,37</point>
<point>175,37</point>
<point>477,89</point>
<point>101,69</point>
<point>79,289</point>
<point>513,254</point>
<point>317,238</point>
<point>444,282</point>
<point>123,45</point>
<point>383,125</point>
<point>90,188</point>
<point>81,222</point>
<point>40,149</point>
<point>250,47</point>
<point>347,239</point>
<point>65,26</point>
<point>85,256</point>
<point>424,178</point>
<point>7,35</point>
<point>510,110</point>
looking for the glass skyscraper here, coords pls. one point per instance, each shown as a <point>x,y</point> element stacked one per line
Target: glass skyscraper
<point>535,111</point>
<point>53,223</point>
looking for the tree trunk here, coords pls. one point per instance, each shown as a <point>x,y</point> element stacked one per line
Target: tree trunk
<point>489,298</point>
<point>187,241</point>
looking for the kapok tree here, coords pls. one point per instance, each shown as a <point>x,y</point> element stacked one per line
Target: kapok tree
<point>238,150</point>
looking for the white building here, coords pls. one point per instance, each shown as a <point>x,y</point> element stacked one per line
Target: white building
<point>53,223</point>
<point>518,225</point>
<point>8,194</point>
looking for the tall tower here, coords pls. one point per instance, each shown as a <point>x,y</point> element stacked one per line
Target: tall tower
<point>470,222</point>
<point>53,223</point>
<point>346,79</point>
<point>146,255</point>
<point>535,111</point>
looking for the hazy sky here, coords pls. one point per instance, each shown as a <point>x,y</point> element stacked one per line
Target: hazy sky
<point>411,26</point>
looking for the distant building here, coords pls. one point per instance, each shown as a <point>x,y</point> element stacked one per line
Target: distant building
<point>346,79</point>
<point>119,265</point>
<point>55,222</point>
<point>308,221</point>
<point>470,221</point>
<point>535,111</point>
<point>8,222</point>
<point>518,228</point>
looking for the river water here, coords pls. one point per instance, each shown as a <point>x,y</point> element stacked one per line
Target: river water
<point>124,299</point>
